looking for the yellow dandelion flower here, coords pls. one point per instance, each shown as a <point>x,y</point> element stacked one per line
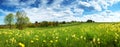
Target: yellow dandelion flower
<point>81,37</point>
<point>7,41</point>
<point>36,39</point>
<point>56,37</point>
<point>21,44</point>
<point>31,41</point>
<point>93,39</point>
<point>56,40</point>
<point>98,42</point>
<point>44,41</point>
<point>115,40</point>
<point>13,40</point>
<point>84,38</point>
<point>66,39</point>
<point>73,35</point>
<point>51,41</point>
<point>98,39</point>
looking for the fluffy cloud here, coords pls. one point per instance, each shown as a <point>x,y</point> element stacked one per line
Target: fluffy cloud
<point>18,4</point>
<point>106,16</point>
<point>65,13</point>
<point>62,12</point>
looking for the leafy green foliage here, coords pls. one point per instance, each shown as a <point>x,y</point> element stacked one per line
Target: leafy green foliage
<point>9,20</point>
<point>90,21</point>
<point>21,20</point>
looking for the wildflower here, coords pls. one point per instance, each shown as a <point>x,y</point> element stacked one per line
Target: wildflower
<point>84,38</point>
<point>56,37</point>
<point>98,39</point>
<point>98,42</point>
<point>93,39</point>
<point>51,41</point>
<point>44,41</point>
<point>66,39</point>
<point>21,44</point>
<point>7,41</point>
<point>36,39</point>
<point>31,41</point>
<point>56,40</point>
<point>73,35</point>
<point>81,37</point>
<point>13,40</point>
<point>115,40</point>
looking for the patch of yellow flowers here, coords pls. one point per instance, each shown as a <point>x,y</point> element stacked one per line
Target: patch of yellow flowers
<point>21,44</point>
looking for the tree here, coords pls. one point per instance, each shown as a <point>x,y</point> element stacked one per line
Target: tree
<point>44,24</point>
<point>36,24</point>
<point>9,20</point>
<point>63,22</point>
<point>21,20</point>
<point>90,21</point>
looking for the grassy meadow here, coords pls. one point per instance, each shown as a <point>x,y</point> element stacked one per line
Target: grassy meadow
<point>73,35</point>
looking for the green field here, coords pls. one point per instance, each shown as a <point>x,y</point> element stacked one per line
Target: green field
<point>74,35</point>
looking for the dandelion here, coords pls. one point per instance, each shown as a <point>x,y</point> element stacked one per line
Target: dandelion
<point>115,40</point>
<point>31,41</point>
<point>44,41</point>
<point>98,42</point>
<point>36,39</point>
<point>21,44</point>
<point>84,38</point>
<point>56,37</point>
<point>73,35</point>
<point>13,40</point>
<point>56,40</point>
<point>7,41</point>
<point>51,41</point>
<point>81,37</point>
<point>98,39</point>
<point>66,39</point>
<point>93,39</point>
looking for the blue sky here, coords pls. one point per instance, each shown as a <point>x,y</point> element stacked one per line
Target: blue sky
<point>63,10</point>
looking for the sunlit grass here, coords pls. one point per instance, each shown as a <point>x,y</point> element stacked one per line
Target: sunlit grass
<point>82,35</point>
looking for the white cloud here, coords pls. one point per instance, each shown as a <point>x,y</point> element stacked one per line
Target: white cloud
<point>103,17</point>
<point>5,12</point>
<point>85,3</point>
<point>42,14</point>
<point>18,4</point>
<point>48,13</point>
<point>96,5</point>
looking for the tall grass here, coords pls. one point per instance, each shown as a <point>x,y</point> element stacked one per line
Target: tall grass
<point>82,35</point>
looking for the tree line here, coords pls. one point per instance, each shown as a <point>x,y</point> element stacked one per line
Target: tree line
<point>21,21</point>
